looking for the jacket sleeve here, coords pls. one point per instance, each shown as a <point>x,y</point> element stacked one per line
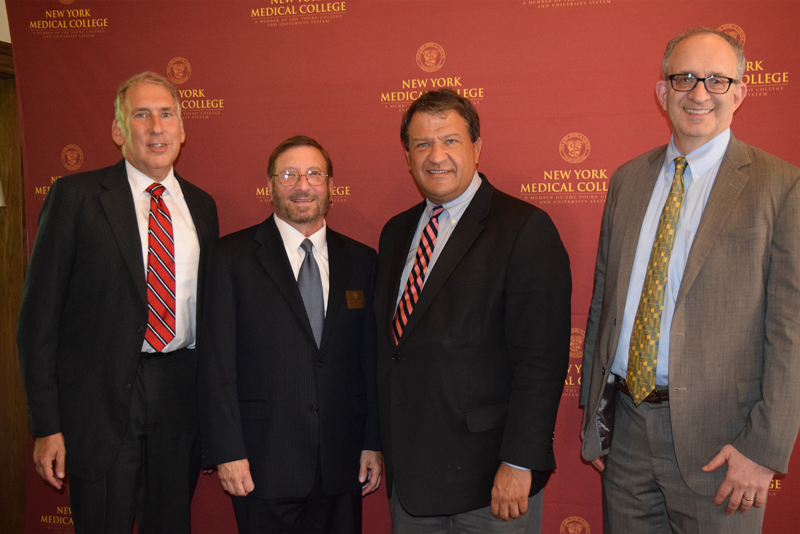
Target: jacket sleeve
<point>537,333</point>
<point>43,298</point>
<point>217,396</point>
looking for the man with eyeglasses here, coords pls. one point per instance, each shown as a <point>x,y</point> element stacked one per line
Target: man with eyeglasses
<point>288,399</point>
<point>692,351</point>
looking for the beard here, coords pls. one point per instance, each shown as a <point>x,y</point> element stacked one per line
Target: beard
<point>301,213</point>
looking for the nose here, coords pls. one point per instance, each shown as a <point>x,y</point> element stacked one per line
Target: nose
<point>302,183</point>
<point>156,124</point>
<point>438,153</point>
<point>699,93</point>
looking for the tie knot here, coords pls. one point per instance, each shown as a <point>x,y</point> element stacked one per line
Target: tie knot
<point>307,246</point>
<point>156,189</point>
<point>680,165</point>
<point>437,210</point>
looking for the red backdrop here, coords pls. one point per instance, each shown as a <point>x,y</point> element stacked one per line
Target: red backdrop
<point>541,72</point>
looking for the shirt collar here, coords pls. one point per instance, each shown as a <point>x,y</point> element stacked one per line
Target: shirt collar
<point>140,181</point>
<point>460,204</point>
<point>704,158</point>
<point>292,238</point>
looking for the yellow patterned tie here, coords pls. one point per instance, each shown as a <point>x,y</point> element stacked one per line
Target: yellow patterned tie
<point>641,379</point>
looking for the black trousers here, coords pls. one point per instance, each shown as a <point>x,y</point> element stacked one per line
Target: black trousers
<point>155,473</point>
<point>317,513</point>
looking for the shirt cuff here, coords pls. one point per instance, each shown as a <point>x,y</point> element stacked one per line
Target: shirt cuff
<point>517,467</point>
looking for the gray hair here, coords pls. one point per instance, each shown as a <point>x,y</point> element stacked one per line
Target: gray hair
<point>737,49</point>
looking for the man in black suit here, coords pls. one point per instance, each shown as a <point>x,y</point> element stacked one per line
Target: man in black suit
<point>106,332</point>
<point>289,404</point>
<point>473,309</point>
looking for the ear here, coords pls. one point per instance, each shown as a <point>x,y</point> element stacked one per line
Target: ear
<point>408,161</point>
<point>477,145</point>
<point>661,93</point>
<point>739,92</point>
<point>183,134</point>
<point>116,133</point>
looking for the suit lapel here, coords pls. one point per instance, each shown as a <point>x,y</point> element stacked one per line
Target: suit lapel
<point>338,273</point>
<point>272,256</point>
<point>398,263</point>
<point>193,202</point>
<point>634,206</point>
<point>728,186</point>
<point>120,211</point>
<point>462,238</point>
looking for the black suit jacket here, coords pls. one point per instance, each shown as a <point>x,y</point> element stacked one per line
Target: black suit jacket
<point>267,392</point>
<point>477,376</point>
<point>84,312</point>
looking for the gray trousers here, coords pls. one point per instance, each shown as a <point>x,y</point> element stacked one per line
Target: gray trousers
<point>480,521</point>
<point>643,490</point>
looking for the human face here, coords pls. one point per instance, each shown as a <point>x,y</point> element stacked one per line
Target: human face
<point>153,132</point>
<point>699,116</point>
<point>302,205</point>
<point>441,156</point>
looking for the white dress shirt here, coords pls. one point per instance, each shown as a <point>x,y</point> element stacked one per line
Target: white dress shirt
<point>187,252</point>
<point>292,239</point>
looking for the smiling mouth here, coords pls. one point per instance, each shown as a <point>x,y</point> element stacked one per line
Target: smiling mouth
<point>698,111</point>
<point>157,145</point>
<point>437,171</point>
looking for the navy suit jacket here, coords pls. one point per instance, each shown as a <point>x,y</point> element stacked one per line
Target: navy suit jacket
<point>268,393</point>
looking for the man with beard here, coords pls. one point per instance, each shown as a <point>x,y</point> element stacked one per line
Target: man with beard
<point>289,406</point>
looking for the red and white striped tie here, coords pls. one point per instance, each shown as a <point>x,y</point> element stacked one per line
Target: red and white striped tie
<point>417,276</point>
<point>160,272</point>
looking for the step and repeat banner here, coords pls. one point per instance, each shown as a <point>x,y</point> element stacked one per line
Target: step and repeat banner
<point>564,88</point>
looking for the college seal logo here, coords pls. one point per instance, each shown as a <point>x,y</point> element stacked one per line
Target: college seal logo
<point>734,31</point>
<point>179,70</point>
<point>575,525</point>
<point>430,57</point>
<point>72,157</point>
<point>574,147</point>
<point>576,343</point>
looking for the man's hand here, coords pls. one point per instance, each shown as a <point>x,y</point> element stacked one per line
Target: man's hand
<point>370,473</point>
<point>235,477</point>
<point>746,482</point>
<point>47,451</point>
<point>598,463</point>
<point>510,492</point>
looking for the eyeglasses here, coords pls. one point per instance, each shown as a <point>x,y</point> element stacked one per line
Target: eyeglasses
<point>684,83</point>
<point>288,178</point>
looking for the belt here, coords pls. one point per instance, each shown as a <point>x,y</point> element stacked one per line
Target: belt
<point>656,396</point>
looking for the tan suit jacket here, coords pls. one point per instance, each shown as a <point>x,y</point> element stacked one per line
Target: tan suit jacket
<point>734,362</point>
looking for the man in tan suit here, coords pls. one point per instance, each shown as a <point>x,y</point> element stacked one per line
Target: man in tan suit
<point>692,353</point>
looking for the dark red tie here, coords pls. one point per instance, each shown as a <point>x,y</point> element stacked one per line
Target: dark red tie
<point>160,272</point>
<point>417,276</point>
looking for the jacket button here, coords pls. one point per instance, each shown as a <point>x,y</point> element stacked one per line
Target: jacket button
<point>603,371</point>
<point>397,359</point>
<point>127,386</point>
<point>320,364</point>
<point>314,408</point>
<point>141,329</point>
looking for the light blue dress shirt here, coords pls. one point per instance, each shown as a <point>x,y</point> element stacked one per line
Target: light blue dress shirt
<point>448,220</point>
<point>698,178</point>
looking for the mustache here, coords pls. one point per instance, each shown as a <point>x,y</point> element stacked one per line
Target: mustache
<point>303,196</point>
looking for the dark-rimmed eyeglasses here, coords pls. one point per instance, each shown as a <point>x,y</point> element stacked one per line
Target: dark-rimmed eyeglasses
<point>288,178</point>
<point>684,83</point>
